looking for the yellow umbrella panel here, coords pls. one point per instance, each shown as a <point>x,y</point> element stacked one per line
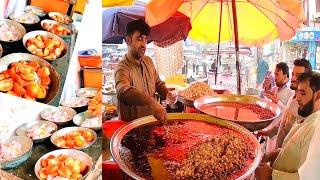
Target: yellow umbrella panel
<point>112,3</point>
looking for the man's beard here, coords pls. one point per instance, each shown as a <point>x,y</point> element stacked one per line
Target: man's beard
<point>279,84</point>
<point>292,87</point>
<point>307,109</point>
<point>136,55</point>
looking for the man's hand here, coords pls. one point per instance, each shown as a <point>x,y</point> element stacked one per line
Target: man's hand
<point>274,98</point>
<point>262,133</point>
<point>159,112</point>
<point>172,97</point>
<point>264,172</point>
<point>271,157</point>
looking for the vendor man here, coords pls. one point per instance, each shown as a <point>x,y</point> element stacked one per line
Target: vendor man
<point>137,80</point>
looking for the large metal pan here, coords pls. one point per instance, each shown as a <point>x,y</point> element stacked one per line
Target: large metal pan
<point>116,146</point>
<point>250,125</point>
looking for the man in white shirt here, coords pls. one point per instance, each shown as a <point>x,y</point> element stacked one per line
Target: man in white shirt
<point>290,113</point>
<point>279,95</point>
<point>309,169</point>
<point>288,159</point>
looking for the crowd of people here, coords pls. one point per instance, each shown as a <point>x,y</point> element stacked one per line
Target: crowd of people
<point>289,137</point>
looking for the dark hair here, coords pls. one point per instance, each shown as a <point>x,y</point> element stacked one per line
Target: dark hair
<point>304,63</point>
<point>137,25</point>
<point>313,78</point>
<point>284,67</point>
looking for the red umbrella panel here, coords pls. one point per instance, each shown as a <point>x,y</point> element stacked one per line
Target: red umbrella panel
<point>115,19</point>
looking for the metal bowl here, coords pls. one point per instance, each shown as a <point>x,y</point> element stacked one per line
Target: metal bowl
<point>79,108</point>
<point>56,22</point>
<point>68,130</point>
<point>81,156</point>
<point>185,101</point>
<point>38,11</point>
<point>22,129</point>
<point>79,118</point>
<point>33,34</point>
<point>51,14</point>
<point>115,143</point>
<point>17,26</point>
<point>71,113</point>
<point>54,76</point>
<point>92,92</point>
<point>250,125</point>
<point>24,155</point>
<point>32,16</point>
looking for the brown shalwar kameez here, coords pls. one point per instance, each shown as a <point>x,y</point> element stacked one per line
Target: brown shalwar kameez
<point>141,76</point>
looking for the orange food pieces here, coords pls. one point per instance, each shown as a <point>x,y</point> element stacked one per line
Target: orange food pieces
<point>61,18</point>
<point>63,166</point>
<point>76,139</point>
<point>57,29</point>
<point>47,48</point>
<point>43,72</point>
<point>6,85</point>
<point>95,106</point>
<point>18,89</point>
<point>26,79</point>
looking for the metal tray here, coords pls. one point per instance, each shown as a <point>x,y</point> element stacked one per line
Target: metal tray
<point>71,113</point>
<point>47,34</point>
<point>27,145</point>
<point>115,143</point>
<point>250,125</point>
<point>79,118</point>
<point>68,130</point>
<point>51,14</point>
<point>185,101</point>
<point>29,9</point>
<point>56,22</point>
<point>17,26</point>
<point>22,129</point>
<point>54,76</point>
<point>82,156</point>
<point>23,14</point>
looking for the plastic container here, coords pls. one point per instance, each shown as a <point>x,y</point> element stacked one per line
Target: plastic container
<point>92,77</point>
<point>90,61</point>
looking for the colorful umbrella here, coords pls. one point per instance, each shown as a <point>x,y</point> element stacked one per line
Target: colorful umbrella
<point>164,34</point>
<point>248,22</point>
<point>259,21</point>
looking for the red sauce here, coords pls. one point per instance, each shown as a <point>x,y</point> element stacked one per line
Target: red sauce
<point>238,111</point>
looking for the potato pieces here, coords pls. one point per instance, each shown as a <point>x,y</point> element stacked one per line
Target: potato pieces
<point>95,107</point>
<point>62,166</point>
<point>61,18</point>
<point>57,29</point>
<point>47,48</point>
<point>76,139</point>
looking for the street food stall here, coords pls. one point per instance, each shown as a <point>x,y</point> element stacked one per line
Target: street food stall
<point>189,144</point>
<point>47,119</point>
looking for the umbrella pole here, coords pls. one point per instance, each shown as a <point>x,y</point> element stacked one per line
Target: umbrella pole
<point>217,60</point>
<point>236,43</point>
